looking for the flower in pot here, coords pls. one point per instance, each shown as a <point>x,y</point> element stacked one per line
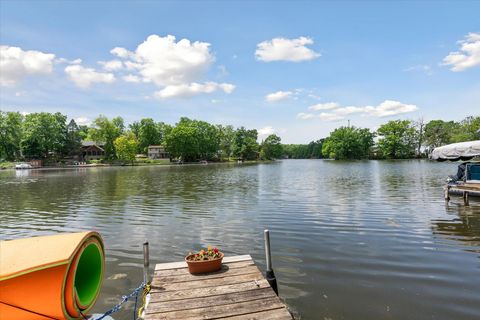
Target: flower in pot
<point>204,261</point>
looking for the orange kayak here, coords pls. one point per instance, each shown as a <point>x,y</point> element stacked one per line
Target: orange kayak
<point>50,277</point>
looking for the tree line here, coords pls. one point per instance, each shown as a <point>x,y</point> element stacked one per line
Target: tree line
<point>398,139</point>
<point>48,136</point>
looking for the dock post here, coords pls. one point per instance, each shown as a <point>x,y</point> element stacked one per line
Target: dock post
<point>146,261</point>
<point>269,274</point>
<point>447,193</point>
<point>465,198</point>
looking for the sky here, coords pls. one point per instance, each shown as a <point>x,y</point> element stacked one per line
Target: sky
<point>298,69</point>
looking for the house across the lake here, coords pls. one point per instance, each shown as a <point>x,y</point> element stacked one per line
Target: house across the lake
<point>158,152</point>
<point>92,150</point>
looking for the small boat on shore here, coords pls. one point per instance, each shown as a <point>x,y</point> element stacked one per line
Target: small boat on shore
<point>466,182</point>
<point>23,166</point>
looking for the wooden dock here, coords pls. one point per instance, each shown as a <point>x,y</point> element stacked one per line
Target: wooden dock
<point>465,190</point>
<point>237,291</point>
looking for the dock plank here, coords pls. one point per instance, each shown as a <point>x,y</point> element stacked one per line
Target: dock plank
<point>205,292</point>
<point>277,314</point>
<point>237,292</point>
<point>215,282</point>
<point>243,296</point>
<point>215,312</point>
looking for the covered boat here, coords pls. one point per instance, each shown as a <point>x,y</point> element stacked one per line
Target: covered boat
<point>466,182</point>
<point>457,151</point>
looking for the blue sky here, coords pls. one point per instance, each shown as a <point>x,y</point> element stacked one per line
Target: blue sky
<point>297,69</point>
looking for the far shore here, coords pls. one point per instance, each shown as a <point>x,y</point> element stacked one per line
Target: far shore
<point>11,165</point>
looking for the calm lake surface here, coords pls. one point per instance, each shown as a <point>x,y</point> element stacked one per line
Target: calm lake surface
<point>350,240</point>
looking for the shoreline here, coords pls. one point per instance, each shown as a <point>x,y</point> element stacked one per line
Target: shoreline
<point>104,165</point>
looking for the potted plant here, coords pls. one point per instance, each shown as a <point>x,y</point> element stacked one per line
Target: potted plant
<point>204,261</point>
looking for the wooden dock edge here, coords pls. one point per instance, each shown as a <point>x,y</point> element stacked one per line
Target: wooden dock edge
<point>238,291</point>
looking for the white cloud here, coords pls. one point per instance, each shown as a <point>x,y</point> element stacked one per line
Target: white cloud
<point>281,49</point>
<point>467,57</point>
<point>121,52</point>
<point>131,78</point>
<point>24,113</point>
<point>112,65</point>
<point>166,62</point>
<point>314,96</point>
<point>63,60</point>
<point>278,96</point>
<point>324,116</point>
<point>192,89</point>
<point>82,121</point>
<point>177,67</point>
<point>324,106</point>
<point>16,64</point>
<point>390,108</point>
<point>384,109</point>
<point>265,131</point>
<point>305,116</point>
<point>84,77</point>
<point>349,110</point>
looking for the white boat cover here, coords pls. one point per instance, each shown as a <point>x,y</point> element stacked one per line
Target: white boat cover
<point>457,151</point>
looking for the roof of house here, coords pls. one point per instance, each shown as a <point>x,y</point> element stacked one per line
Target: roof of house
<point>92,143</point>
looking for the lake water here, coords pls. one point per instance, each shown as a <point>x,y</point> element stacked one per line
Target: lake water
<point>350,240</point>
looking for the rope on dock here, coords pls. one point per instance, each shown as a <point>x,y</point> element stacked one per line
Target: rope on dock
<point>145,288</point>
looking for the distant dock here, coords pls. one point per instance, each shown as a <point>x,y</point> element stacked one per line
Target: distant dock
<point>237,291</point>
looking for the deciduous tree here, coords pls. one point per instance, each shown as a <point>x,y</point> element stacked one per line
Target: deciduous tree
<point>245,145</point>
<point>126,147</point>
<point>272,147</point>
<point>106,131</point>
<point>44,135</point>
<point>397,139</point>
<point>10,135</point>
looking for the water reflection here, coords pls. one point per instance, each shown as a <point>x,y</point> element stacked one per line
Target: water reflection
<point>464,228</point>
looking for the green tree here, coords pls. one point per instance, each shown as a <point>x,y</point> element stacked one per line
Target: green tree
<point>126,147</point>
<point>245,145</point>
<point>106,131</point>
<point>193,140</point>
<point>438,133</point>
<point>44,135</point>
<point>313,150</point>
<point>467,130</point>
<point>73,139</point>
<point>272,147</point>
<point>227,137</point>
<point>83,132</point>
<point>348,143</point>
<point>10,135</point>
<point>163,130</point>
<point>419,126</point>
<point>397,139</point>
<point>147,134</point>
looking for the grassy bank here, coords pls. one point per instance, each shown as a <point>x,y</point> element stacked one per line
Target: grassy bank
<point>7,165</point>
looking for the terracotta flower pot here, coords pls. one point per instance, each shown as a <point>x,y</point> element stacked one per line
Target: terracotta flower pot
<point>204,265</point>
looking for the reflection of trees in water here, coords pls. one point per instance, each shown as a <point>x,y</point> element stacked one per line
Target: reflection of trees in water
<point>465,228</point>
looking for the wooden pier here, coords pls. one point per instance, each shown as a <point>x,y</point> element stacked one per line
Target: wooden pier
<point>464,190</point>
<point>237,291</point>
